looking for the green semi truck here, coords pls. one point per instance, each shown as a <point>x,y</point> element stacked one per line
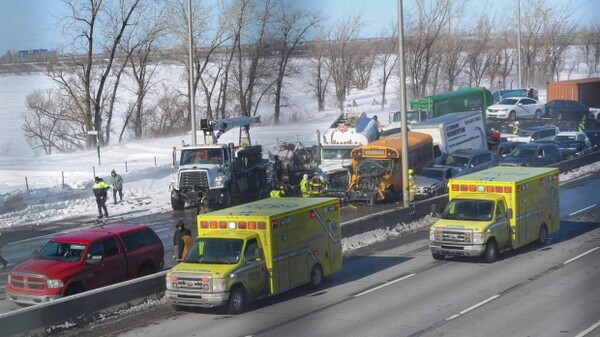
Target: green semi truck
<point>460,100</point>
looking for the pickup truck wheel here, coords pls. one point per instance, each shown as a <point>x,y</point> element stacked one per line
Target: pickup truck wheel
<point>73,290</point>
<point>438,257</point>
<point>237,301</point>
<point>177,204</point>
<point>145,270</point>
<point>543,236</point>
<point>316,276</point>
<point>491,252</point>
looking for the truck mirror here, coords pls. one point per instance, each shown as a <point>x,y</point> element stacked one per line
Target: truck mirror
<point>509,213</point>
<point>258,252</point>
<point>433,210</point>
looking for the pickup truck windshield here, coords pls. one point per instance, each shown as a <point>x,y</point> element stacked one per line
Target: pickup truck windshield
<point>201,156</point>
<point>62,251</point>
<point>215,251</point>
<point>468,209</point>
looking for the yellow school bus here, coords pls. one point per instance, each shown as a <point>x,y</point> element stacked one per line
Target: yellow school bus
<point>376,167</point>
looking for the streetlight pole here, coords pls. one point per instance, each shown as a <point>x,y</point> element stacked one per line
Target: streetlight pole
<point>519,41</point>
<point>403,127</point>
<point>191,73</point>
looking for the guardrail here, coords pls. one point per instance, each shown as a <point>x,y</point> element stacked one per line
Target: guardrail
<point>79,310</point>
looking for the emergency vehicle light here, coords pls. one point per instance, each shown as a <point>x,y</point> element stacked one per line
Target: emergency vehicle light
<point>507,189</point>
<point>232,225</point>
<point>262,225</point>
<point>312,214</point>
<point>251,225</point>
<point>464,188</point>
<point>490,189</point>
<point>274,224</point>
<point>454,187</point>
<point>203,224</point>
<point>213,224</point>
<point>542,181</point>
<point>472,188</point>
<point>357,153</point>
<point>499,189</point>
<point>519,188</point>
<point>222,224</point>
<point>242,225</point>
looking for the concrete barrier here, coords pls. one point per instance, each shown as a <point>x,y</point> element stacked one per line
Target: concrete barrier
<point>82,309</point>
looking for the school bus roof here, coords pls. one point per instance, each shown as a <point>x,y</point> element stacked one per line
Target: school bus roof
<point>507,174</point>
<point>394,140</point>
<point>269,207</point>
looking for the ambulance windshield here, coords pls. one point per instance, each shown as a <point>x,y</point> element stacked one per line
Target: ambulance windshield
<point>215,251</point>
<point>469,209</point>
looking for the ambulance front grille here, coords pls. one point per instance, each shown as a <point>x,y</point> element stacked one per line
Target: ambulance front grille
<point>193,282</point>
<point>453,236</point>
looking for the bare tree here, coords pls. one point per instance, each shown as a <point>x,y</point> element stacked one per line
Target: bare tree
<point>387,56</point>
<point>478,50</point>
<point>318,73</point>
<point>340,54</point>
<point>426,25</point>
<point>590,46</point>
<point>364,59</point>
<point>291,26</point>
<point>49,123</point>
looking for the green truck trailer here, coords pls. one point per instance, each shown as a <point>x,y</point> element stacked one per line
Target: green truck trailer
<point>460,100</point>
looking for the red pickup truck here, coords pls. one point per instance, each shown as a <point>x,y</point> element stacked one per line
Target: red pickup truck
<point>86,259</point>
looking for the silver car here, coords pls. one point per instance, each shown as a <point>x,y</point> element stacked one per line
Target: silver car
<point>433,180</point>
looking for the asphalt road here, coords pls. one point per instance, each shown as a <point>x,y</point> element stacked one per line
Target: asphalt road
<point>396,289</point>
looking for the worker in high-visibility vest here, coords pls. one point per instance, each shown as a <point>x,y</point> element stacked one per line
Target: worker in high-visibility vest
<point>305,186</point>
<point>516,128</point>
<point>412,187</point>
<point>315,186</point>
<point>278,193</point>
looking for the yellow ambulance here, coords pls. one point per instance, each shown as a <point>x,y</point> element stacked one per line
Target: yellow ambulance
<point>258,249</point>
<point>497,209</point>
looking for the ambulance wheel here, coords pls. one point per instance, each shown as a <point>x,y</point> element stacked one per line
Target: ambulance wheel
<point>491,252</point>
<point>438,257</point>
<point>237,301</point>
<point>543,237</point>
<point>316,276</point>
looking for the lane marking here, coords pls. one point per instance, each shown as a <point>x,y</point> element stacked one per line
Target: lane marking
<point>473,307</point>
<point>581,255</point>
<point>581,210</point>
<point>588,330</point>
<point>385,285</point>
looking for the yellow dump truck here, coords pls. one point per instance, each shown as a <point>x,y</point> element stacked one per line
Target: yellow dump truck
<point>258,249</point>
<point>497,209</point>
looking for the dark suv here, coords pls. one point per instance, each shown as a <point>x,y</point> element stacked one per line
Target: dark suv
<point>532,154</point>
<point>562,109</point>
<point>471,160</point>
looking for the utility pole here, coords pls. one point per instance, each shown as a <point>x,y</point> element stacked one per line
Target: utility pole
<point>519,41</point>
<point>191,74</point>
<point>403,128</point>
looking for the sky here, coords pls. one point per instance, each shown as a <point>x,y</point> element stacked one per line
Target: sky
<point>32,24</point>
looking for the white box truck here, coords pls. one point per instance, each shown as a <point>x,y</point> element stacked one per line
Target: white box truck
<point>453,131</point>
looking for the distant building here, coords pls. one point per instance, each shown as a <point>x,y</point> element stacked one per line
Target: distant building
<point>32,52</point>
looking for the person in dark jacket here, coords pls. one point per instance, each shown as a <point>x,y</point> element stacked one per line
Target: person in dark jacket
<point>178,245</point>
<point>117,184</point>
<point>100,187</point>
<point>278,169</point>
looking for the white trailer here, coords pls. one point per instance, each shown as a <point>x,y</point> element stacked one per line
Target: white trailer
<point>453,131</point>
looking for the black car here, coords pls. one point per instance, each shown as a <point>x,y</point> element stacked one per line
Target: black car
<point>594,136</point>
<point>564,109</point>
<point>532,154</point>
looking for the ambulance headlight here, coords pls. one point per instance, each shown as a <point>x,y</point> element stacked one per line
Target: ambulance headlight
<point>478,238</point>
<point>219,285</point>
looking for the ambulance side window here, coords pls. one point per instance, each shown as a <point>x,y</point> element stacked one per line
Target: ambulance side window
<point>251,249</point>
<point>500,211</point>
